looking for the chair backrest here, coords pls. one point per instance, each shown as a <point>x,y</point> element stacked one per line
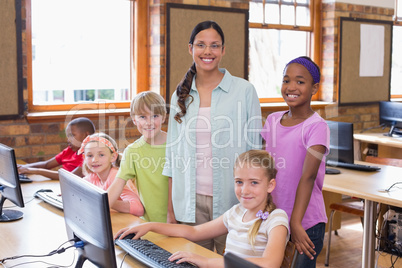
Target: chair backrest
<point>384,161</point>
<point>290,255</point>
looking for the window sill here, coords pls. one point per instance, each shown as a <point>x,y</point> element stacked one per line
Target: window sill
<point>57,116</point>
<point>280,106</point>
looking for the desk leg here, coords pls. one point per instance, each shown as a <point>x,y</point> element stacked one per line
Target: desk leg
<point>368,254</point>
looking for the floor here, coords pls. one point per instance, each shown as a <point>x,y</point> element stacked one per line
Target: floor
<point>350,237</point>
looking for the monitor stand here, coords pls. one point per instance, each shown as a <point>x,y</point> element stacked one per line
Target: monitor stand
<point>81,258</point>
<point>8,214</point>
<point>394,132</point>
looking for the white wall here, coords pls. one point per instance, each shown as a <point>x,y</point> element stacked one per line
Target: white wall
<point>376,3</point>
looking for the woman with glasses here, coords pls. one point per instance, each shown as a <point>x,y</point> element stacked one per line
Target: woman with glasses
<point>214,117</point>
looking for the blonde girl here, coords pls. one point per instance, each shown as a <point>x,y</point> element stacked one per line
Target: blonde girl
<point>255,229</point>
<point>101,163</point>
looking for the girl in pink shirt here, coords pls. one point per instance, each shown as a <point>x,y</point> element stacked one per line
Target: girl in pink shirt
<point>298,139</point>
<point>101,162</point>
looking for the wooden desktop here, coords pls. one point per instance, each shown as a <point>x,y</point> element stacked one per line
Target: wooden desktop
<point>389,147</point>
<point>42,230</point>
<point>370,187</point>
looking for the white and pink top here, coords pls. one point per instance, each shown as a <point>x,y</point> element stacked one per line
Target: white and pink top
<point>204,152</point>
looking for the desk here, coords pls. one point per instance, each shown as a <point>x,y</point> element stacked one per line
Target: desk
<point>42,229</point>
<point>389,147</point>
<point>367,185</point>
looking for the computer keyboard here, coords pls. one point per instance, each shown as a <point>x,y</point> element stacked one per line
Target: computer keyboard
<point>359,167</point>
<point>148,253</point>
<point>24,178</point>
<point>50,197</point>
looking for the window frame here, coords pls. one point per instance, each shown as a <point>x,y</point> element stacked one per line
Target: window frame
<point>315,39</point>
<point>139,11</point>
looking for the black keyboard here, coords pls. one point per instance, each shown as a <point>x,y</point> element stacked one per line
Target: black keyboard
<point>352,166</point>
<point>50,197</point>
<point>24,178</point>
<point>148,253</point>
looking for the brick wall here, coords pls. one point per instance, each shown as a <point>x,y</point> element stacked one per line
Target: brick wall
<point>364,116</point>
<point>40,141</point>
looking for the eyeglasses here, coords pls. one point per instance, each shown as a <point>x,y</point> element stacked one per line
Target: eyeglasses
<point>204,46</point>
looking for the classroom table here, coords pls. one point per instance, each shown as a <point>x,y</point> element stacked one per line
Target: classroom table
<point>370,187</point>
<point>389,147</point>
<point>42,229</point>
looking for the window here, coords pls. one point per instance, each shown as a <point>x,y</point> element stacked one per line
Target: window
<point>81,52</point>
<point>280,30</point>
<point>396,69</point>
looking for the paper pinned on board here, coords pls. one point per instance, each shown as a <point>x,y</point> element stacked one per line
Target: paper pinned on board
<point>371,50</point>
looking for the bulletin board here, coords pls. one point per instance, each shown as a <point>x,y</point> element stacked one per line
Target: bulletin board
<point>11,86</point>
<point>181,19</point>
<point>353,88</point>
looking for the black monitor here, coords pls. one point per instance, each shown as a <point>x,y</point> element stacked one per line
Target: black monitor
<point>233,261</point>
<point>391,116</point>
<point>341,142</point>
<point>87,218</point>
<point>10,187</point>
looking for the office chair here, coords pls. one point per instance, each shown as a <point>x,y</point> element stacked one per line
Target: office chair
<point>352,207</point>
<point>290,255</point>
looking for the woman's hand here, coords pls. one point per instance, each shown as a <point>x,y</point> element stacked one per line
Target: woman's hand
<point>303,243</point>
<point>182,256</point>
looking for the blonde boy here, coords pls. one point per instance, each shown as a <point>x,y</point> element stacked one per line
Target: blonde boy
<point>143,160</point>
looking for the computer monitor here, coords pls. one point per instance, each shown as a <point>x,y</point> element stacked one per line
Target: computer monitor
<point>233,261</point>
<point>391,116</point>
<point>10,187</point>
<point>87,219</point>
<point>341,142</point>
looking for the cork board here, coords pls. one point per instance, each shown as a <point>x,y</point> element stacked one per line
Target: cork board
<point>353,88</point>
<point>181,19</point>
<point>10,60</point>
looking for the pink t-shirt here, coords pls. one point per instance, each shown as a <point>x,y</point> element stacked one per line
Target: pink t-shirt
<point>288,146</point>
<point>136,207</point>
<point>204,152</point>
<point>69,159</point>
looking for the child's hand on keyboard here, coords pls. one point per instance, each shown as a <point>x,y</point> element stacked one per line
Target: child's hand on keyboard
<point>197,260</point>
<point>137,230</point>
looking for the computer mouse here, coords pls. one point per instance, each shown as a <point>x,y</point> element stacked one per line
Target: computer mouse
<point>129,236</point>
<point>44,190</point>
<point>24,178</point>
<point>332,171</point>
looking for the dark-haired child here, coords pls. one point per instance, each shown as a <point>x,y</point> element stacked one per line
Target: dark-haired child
<point>299,140</point>
<point>76,131</point>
